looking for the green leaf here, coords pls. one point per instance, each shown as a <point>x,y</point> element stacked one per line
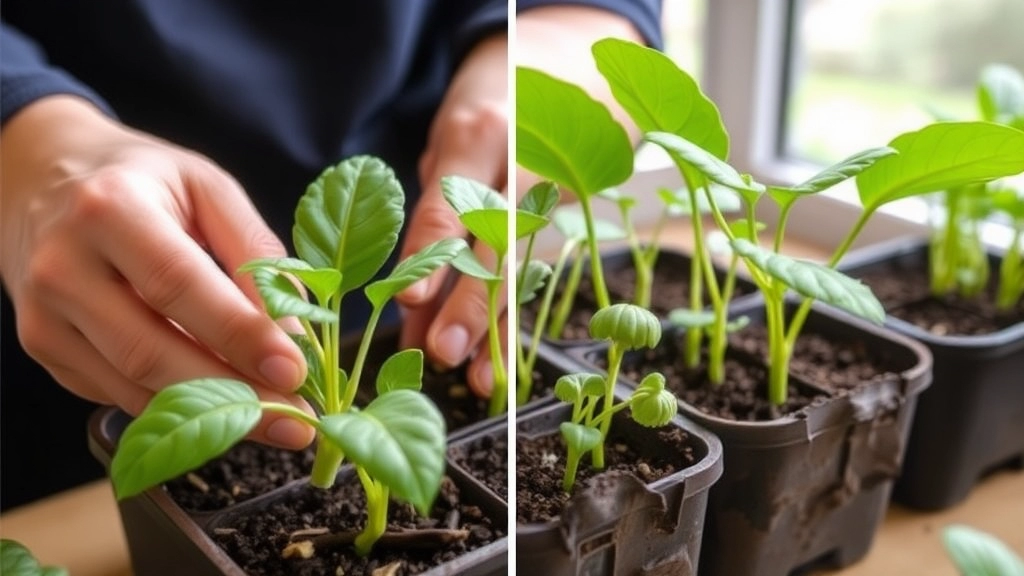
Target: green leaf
<point>416,267</point>
<point>564,135</point>
<point>466,195</point>
<point>313,388</point>
<point>706,163</point>
<point>571,224</point>
<point>183,427</point>
<point>582,438</point>
<point>281,298</point>
<point>942,156</point>
<point>978,553</point>
<point>615,195</point>
<point>737,324</point>
<point>686,318</point>
<point>651,404</point>
<point>627,325</point>
<point>528,223</point>
<point>814,281</point>
<point>17,560</point>
<point>349,219</point>
<point>399,439</point>
<point>1001,93</point>
<point>571,388</point>
<point>540,199</point>
<point>660,96</point>
<point>741,228</point>
<point>829,177</point>
<point>537,274</point>
<point>724,197</point>
<point>322,282</point>
<point>467,263</point>
<point>490,226</point>
<point>402,371</point>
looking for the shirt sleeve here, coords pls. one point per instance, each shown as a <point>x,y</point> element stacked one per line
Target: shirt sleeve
<point>25,76</point>
<point>644,14</point>
<point>481,19</point>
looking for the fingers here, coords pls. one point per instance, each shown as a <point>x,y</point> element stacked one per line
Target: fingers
<point>481,367</point>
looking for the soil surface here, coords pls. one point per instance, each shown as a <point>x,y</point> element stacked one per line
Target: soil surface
<point>906,295</point>
<point>485,458</point>
<point>256,540</point>
<point>540,463</point>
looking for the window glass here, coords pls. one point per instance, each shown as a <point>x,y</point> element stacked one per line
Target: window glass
<point>863,71</point>
<point>683,25</point>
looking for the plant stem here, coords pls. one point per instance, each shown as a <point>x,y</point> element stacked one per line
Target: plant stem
<point>364,349</point>
<point>615,354</point>
<point>568,296</point>
<point>525,365</point>
<point>779,349</point>
<point>499,390</point>
<point>695,335</point>
<point>572,464</point>
<point>376,512</point>
<point>597,275</point>
<point>1011,274</point>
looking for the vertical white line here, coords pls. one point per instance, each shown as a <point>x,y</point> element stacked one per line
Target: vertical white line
<point>511,291</point>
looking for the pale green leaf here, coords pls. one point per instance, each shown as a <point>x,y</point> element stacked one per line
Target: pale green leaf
<point>814,281</point>
<point>466,195</point>
<point>349,219</point>
<point>184,426</point>
<point>540,199</point>
<point>977,553</point>
<point>686,318</point>
<point>313,388</point>
<point>628,325</point>
<point>18,560</point>
<point>725,198</point>
<point>651,404</point>
<point>564,135</point>
<point>1001,93</point>
<point>536,275</point>
<point>403,370</point>
<point>703,161</point>
<point>416,267</point>
<point>467,263</point>
<point>580,437</point>
<point>829,177</point>
<point>571,224</point>
<point>322,282</point>
<point>282,299</point>
<point>399,439</point>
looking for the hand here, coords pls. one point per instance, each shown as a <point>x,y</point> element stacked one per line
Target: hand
<point>445,314</point>
<point>112,247</point>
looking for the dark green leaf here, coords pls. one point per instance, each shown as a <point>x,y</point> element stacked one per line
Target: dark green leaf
<point>414,268</point>
<point>540,199</point>
<point>564,135</point>
<point>399,439</point>
<point>466,195</point>
<point>537,273</point>
<point>281,298</point>
<point>1001,93</point>
<point>706,163</point>
<point>978,553</point>
<point>403,370</point>
<point>349,219</point>
<point>942,156</point>
<point>814,281</point>
<point>183,427</point>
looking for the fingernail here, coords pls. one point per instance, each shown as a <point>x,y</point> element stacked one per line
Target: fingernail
<point>452,345</point>
<point>288,433</point>
<point>281,372</point>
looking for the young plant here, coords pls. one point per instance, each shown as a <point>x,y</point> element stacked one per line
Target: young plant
<point>17,560</point>
<point>627,327</point>
<point>1010,202</point>
<point>346,227</point>
<point>977,553</point>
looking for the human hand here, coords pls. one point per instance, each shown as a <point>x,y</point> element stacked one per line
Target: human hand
<point>446,314</point>
<point>112,247</point>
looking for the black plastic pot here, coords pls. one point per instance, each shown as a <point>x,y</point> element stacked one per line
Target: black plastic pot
<point>971,421</point>
<point>809,489</point>
<point>165,539</point>
<point>620,525</point>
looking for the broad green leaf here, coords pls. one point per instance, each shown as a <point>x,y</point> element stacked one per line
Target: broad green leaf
<point>537,274</point>
<point>399,439</point>
<point>977,553</point>
<point>572,388</point>
<point>183,427</point>
<point>942,156</point>
<point>313,387</point>
<point>17,560</point>
<point>703,161</point>
<point>1001,93</point>
<point>281,298</point>
<point>627,325</point>
<point>403,370</point>
<point>571,224</point>
<point>466,195</point>
<point>686,318</point>
<point>652,405</point>
<point>490,226</point>
<point>814,281</point>
<point>529,223</point>
<point>829,177</point>
<point>322,282</point>
<point>725,199</point>
<point>580,437</point>
<point>349,219</point>
<point>467,263</point>
<point>416,267</point>
<point>564,135</point>
<point>660,96</point>
<point>540,199</point>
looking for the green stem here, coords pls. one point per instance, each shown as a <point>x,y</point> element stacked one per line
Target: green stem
<point>778,348</point>
<point>780,227</point>
<point>695,335</point>
<point>499,390</point>
<point>572,464</point>
<point>376,513</point>
<point>364,349</point>
<point>564,307</point>
<point>615,354</point>
<point>596,273</point>
<point>1011,276</point>
<point>524,372</point>
<point>642,292</point>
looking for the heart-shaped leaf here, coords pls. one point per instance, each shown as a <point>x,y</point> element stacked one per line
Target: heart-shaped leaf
<point>466,195</point>
<point>536,274</point>
<point>814,281</point>
<point>184,426</point>
<point>540,199</point>
<point>349,219</point>
<point>416,267</point>
<point>402,371</point>
<point>564,135</point>
<point>579,437</point>
<point>571,388</point>
<point>942,156</point>
<point>399,439</point>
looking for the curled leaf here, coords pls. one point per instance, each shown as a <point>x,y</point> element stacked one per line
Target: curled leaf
<point>627,325</point>
<point>651,404</point>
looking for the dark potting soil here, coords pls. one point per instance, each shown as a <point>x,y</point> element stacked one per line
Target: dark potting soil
<point>820,368</point>
<point>246,470</point>
<point>256,540</point>
<point>485,458</point>
<point>540,463</point>
<point>907,296</point>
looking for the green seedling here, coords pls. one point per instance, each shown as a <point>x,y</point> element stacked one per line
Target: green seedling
<point>1010,202</point>
<point>346,227</point>
<point>977,553</point>
<point>17,560</point>
<point>627,327</point>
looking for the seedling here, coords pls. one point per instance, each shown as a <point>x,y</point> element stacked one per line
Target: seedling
<point>346,227</point>
<point>978,553</point>
<point>17,560</point>
<point>626,327</point>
